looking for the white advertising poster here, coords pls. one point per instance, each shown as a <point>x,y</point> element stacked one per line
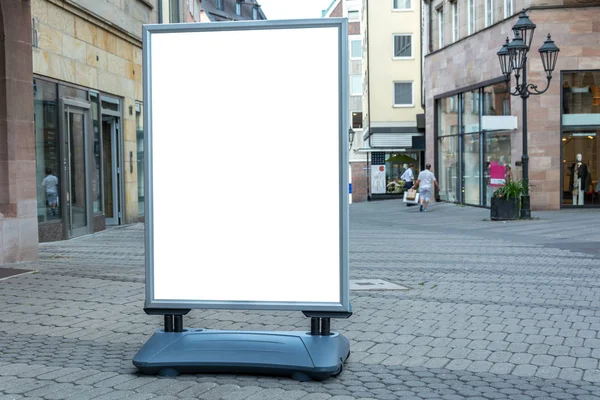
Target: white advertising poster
<point>378,180</point>
<point>258,244</point>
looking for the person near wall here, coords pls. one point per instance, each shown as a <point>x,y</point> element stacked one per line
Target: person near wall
<point>426,180</point>
<point>578,180</point>
<point>50,183</point>
<point>408,176</point>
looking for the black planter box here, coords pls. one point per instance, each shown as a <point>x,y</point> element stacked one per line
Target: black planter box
<point>503,209</point>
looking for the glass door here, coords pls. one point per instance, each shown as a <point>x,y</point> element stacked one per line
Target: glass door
<point>110,140</point>
<point>78,210</point>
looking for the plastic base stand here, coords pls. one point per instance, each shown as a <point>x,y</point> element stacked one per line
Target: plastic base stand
<point>298,355</point>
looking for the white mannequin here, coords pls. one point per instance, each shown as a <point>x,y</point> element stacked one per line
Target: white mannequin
<point>578,194</point>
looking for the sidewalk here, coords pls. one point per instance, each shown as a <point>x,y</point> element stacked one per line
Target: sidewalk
<point>492,310</point>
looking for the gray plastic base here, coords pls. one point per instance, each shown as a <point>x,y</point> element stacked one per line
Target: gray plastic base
<point>298,355</point>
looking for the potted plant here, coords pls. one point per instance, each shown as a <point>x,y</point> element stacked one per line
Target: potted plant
<point>506,201</point>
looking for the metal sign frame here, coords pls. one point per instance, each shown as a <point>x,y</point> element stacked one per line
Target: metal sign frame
<point>149,31</point>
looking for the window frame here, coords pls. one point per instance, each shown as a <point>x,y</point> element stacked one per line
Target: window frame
<point>454,16</point>
<point>357,15</point>
<point>394,57</point>
<point>471,17</point>
<point>412,95</point>
<point>440,18</point>
<point>395,7</point>
<point>238,8</point>
<point>489,13</point>
<point>511,5</point>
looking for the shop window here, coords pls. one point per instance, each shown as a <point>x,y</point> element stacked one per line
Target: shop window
<point>72,92</point>
<point>498,168</point>
<point>402,46</point>
<point>403,94</point>
<point>447,116</point>
<point>470,117</point>
<point>580,166</point>
<point>48,172</point>
<point>448,167</point>
<point>581,98</point>
<point>471,169</point>
<point>395,165</point>
<point>139,135</point>
<point>96,177</point>
<point>357,119</point>
<point>496,100</point>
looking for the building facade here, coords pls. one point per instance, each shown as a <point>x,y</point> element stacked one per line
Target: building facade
<point>18,222</point>
<point>87,86</point>
<point>474,124</point>
<point>393,126</point>
<point>351,9</point>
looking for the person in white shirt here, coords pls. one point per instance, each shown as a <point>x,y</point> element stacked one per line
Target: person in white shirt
<point>408,176</point>
<point>50,182</point>
<point>426,179</point>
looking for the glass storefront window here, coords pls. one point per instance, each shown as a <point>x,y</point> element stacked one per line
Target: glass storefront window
<point>496,100</point>
<point>470,112</point>
<point>448,116</point>
<point>580,166</point>
<point>96,183</point>
<point>72,92</point>
<point>471,168</point>
<point>48,172</point>
<point>581,98</point>
<point>448,167</point>
<point>139,119</point>
<point>498,166</point>
<point>395,165</point>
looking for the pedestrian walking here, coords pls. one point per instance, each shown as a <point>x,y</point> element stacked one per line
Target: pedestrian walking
<point>408,176</point>
<point>426,181</point>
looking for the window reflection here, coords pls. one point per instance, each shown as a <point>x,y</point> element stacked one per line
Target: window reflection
<point>47,150</point>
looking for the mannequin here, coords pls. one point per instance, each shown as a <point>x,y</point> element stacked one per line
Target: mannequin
<point>578,179</point>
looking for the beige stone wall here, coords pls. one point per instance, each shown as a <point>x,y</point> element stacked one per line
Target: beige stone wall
<point>87,52</point>
<point>576,31</point>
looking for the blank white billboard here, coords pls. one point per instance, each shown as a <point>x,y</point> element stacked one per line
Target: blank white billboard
<point>246,144</point>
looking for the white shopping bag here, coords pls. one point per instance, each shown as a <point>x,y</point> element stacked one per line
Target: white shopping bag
<point>415,201</point>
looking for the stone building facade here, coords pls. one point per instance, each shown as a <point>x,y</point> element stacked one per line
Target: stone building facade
<point>474,125</point>
<point>18,223</point>
<point>87,78</point>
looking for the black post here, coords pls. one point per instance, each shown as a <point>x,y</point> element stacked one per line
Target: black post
<point>168,323</point>
<point>315,326</point>
<point>325,326</point>
<point>178,323</point>
<point>526,206</point>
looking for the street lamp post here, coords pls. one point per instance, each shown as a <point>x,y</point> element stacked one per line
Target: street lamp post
<point>513,57</point>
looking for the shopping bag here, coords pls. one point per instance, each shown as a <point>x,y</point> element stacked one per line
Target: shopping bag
<point>411,194</point>
<point>406,200</point>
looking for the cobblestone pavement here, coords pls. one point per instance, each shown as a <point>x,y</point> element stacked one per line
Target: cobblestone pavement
<point>493,311</point>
